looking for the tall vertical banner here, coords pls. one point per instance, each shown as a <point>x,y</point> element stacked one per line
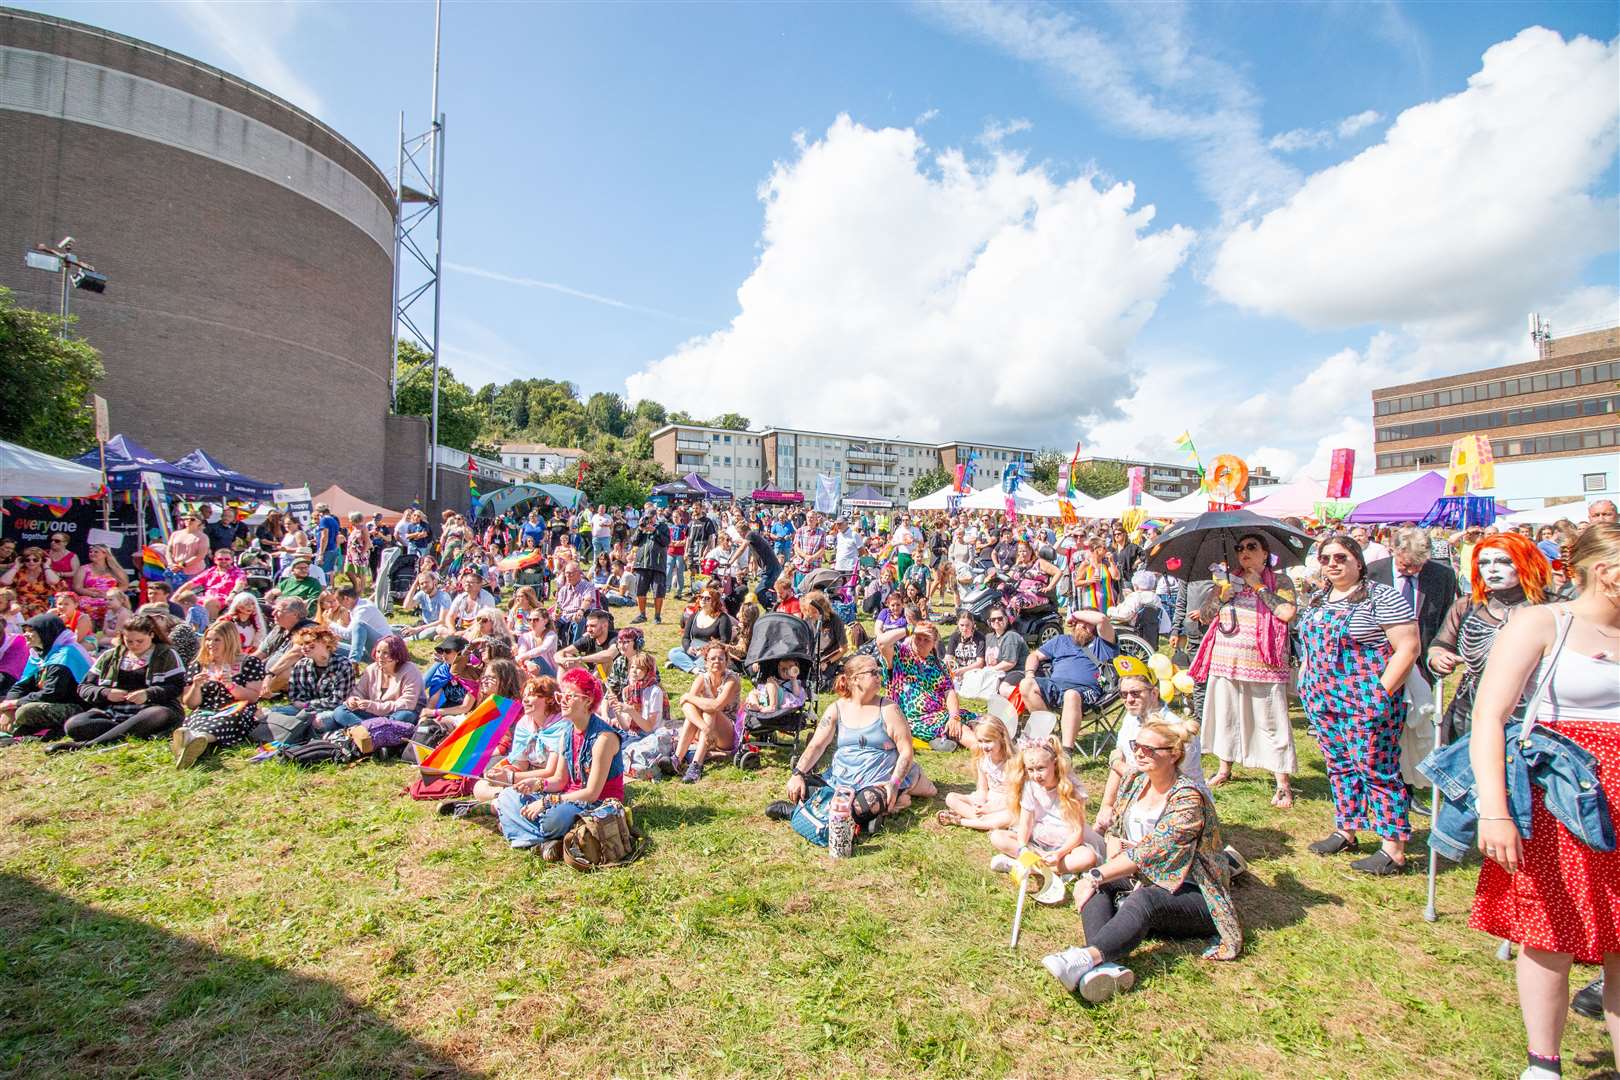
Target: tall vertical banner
<point>827,493</point>
<point>1138,478</point>
<point>1341,474</point>
<point>1473,468</point>
<point>961,476</point>
<point>152,484</point>
<point>1070,477</point>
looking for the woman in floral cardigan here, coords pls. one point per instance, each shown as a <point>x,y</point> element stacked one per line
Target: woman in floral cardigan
<point>1166,875</point>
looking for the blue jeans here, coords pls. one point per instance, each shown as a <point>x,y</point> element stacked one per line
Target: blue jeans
<point>523,833</point>
<point>679,658</point>
<point>343,717</point>
<point>362,639</point>
<point>600,545</point>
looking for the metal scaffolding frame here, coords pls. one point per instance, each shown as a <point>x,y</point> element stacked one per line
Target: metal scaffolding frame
<point>419,223</point>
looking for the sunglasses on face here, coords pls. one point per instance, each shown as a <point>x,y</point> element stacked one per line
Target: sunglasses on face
<point>1133,693</point>
<point>1150,751</point>
<point>1250,545</point>
<point>1338,558</point>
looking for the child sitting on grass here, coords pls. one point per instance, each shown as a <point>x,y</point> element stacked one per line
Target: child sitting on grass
<point>1051,807</point>
<point>642,713</point>
<point>986,808</point>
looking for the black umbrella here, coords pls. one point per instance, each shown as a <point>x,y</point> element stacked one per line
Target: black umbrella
<point>1189,548</point>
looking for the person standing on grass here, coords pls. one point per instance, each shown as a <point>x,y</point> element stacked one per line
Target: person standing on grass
<point>1243,657</point>
<point>1548,891</point>
<point>651,557</point>
<point>1166,874</point>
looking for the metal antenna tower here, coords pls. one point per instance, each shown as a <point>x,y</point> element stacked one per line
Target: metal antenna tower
<point>419,246</point>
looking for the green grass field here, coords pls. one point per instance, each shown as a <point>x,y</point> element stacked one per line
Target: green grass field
<point>243,920</point>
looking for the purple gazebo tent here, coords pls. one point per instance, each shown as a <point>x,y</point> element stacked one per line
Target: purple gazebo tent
<point>1409,502</point>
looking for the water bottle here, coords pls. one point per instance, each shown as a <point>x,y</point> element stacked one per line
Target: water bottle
<point>841,824</point>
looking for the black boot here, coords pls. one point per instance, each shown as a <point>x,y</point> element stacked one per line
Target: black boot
<point>1588,1001</point>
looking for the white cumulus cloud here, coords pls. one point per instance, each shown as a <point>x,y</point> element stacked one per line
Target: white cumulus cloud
<point>931,294</point>
<point>1472,205</point>
<point>251,38</point>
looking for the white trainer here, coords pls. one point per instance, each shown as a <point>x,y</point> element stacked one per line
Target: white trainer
<point>1002,864</point>
<point>1069,966</point>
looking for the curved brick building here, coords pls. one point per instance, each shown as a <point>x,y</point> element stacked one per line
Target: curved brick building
<point>249,249</point>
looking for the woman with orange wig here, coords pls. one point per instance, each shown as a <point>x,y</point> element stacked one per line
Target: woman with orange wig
<point>1508,571</point>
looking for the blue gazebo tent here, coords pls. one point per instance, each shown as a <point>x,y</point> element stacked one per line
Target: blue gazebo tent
<point>202,462</point>
<point>127,459</point>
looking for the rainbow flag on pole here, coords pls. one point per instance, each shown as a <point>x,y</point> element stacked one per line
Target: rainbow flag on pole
<point>467,751</point>
<point>153,568</point>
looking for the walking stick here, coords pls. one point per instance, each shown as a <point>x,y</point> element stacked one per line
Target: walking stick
<point>1438,705</point>
<point>1026,864</point>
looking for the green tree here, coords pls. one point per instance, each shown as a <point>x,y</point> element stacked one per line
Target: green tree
<point>607,413</point>
<point>929,482</point>
<point>1100,479</point>
<point>730,421</point>
<point>461,421</point>
<point>651,413</point>
<point>680,416</point>
<point>47,384</point>
<point>615,476</point>
<point>1043,470</point>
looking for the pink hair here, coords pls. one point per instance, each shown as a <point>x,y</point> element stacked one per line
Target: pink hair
<point>583,682</point>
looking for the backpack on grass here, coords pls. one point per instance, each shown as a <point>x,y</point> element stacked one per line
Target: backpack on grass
<point>602,837</point>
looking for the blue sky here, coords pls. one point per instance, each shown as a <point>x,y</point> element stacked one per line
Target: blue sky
<point>1292,261</point>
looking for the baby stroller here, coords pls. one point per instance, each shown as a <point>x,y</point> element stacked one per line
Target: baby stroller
<point>779,637</point>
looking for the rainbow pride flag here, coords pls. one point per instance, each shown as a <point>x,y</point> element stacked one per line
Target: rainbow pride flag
<point>521,561</point>
<point>467,751</point>
<point>153,568</point>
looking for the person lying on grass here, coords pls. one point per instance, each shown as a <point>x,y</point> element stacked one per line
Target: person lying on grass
<point>872,745</point>
<point>710,713</point>
<point>539,812</point>
<point>1166,875</point>
<point>1051,806</point>
<point>986,808</point>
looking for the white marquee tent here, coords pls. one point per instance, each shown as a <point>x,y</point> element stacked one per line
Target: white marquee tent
<point>29,474</point>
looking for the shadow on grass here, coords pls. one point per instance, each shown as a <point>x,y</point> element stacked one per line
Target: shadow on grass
<point>662,815</point>
<point>1256,843</point>
<point>93,994</point>
<point>1283,903</point>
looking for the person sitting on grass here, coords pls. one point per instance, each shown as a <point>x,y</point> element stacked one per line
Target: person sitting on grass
<point>893,614</point>
<point>1074,682</point>
<point>708,623</point>
<point>709,710</point>
<point>538,740</point>
<point>919,682</point>
<point>642,713</point>
<point>299,581</point>
<point>1051,805</point>
<point>65,606</point>
<point>382,711</point>
<point>221,696</point>
<point>288,616</point>
<point>1140,693</point>
<point>539,813</point>
<point>213,588</point>
<point>1166,874</point>
<point>496,678</point>
<point>871,744</point>
<point>322,678</point>
<point>359,623</point>
<point>133,689</point>
<point>986,807</point>
<point>535,648</point>
<point>244,614</point>
<point>595,648</point>
<point>430,604</point>
<point>46,695</point>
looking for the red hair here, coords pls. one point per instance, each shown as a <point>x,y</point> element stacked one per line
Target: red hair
<point>585,684</point>
<point>1535,572</point>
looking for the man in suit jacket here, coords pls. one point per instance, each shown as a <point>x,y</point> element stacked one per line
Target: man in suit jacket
<point>1428,583</point>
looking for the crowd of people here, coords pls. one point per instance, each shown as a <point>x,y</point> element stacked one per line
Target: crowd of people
<point>287,633</point>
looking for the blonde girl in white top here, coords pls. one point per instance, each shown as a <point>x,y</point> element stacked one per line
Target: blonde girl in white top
<point>987,807</point>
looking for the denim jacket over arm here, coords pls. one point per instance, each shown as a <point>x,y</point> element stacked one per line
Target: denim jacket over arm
<point>1565,771</point>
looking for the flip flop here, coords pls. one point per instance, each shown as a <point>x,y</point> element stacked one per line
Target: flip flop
<point>1282,798</point>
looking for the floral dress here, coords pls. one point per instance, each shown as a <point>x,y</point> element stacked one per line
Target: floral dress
<point>920,686</point>
<point>229,721</point>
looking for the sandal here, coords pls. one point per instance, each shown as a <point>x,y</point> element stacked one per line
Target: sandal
<point>1379,864</point>
<point>1220,778</point>
<point>1333,843</point>
<point>1282,798</point>
<point>948,817</point>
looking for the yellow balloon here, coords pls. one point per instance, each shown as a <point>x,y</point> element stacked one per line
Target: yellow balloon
<point>1183,681</point>
<point>1167,691</point>
<point>1160,665</point>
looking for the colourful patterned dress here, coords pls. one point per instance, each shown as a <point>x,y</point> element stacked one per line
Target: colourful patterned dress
<point>920,686</point>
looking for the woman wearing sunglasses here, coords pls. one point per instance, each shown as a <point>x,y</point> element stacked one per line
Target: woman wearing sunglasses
<point>1243,660</point>
<point>34,581</point>
<point>1140,695</point>
<point>1360,640</point>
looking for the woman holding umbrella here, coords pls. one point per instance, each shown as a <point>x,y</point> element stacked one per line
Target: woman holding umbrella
<point>1244,660</point>
<point>1360,642</point>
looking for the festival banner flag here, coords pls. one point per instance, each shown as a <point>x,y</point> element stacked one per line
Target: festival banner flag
<point>158,498</point>
<point>1138,480</point>
<point>1066,513</point>
<point>521,561</point>
<point>467,751</point>
<point>153,567</point>
<point>1067,483</point>
<point>1341,473</point>
<point>827,490</point>
<point>472,483</point>
<point>1184,443</point>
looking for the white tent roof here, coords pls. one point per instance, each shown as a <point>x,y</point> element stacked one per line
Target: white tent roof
<point>1547,515</point>
<point>1296,498</point>
<point>1025,500</point>
<point>934,500</point>
<point>26,473</point>
<point>1116,504</point>
<point>1188,506</point>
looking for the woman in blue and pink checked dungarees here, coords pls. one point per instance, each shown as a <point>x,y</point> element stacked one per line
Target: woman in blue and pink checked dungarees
<point>1360,640</point>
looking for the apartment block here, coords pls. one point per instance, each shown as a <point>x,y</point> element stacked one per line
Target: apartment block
<point>538,458</point>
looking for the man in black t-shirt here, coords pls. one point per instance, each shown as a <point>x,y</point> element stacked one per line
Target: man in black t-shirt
<point>595,646</point>
<point>652,548</point>
<point>770,567</point>
<point>1127,555</point>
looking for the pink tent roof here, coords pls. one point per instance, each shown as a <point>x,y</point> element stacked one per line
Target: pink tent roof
<point>342,503</point>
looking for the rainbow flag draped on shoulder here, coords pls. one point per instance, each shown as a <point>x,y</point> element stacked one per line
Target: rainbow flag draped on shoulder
<point>67,653</point>
<point>468,750</point>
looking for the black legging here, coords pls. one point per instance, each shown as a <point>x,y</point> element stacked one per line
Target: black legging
<point>100,727</point>
<point>1118,917</point>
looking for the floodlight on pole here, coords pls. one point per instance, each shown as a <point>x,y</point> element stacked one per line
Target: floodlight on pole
<point>75,273</point>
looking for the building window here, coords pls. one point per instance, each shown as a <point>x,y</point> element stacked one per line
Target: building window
<point>728,461</point>
<point>1595,481</point>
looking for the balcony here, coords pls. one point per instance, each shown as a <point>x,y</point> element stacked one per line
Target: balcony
<point>692,446</point>
<point>856,453</point>
<point>856,476</point>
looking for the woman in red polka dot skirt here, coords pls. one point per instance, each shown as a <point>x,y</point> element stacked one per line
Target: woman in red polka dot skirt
<point>1556,897</point>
